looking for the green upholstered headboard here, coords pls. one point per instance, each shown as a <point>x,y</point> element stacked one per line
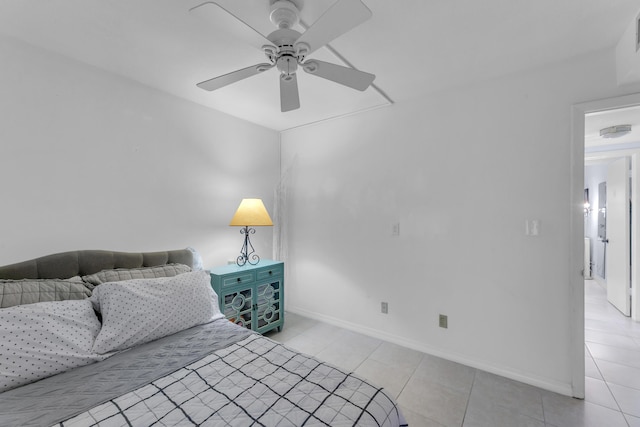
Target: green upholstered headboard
<point>80,263</point>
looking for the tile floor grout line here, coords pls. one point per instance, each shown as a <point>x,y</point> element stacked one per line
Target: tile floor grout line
<point>367,358</point>
<point>544,412</point>
<point>466,407</point>
<point>412,374</point>
<point>606,383</point>
<point>613,363</point>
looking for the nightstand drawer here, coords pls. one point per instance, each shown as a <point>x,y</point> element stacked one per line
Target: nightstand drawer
<point>238,279</point>
<point>275,271</point>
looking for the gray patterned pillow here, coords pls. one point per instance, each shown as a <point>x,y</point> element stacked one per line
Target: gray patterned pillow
<point>119,274</point>
<point>29,291</point>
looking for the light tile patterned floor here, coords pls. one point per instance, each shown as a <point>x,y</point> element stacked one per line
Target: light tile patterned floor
<point>434,392</point>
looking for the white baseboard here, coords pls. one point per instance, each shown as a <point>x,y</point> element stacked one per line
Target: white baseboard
<point>544,383</point>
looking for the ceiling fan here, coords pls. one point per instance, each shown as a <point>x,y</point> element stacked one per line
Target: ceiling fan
<point>287,49</point>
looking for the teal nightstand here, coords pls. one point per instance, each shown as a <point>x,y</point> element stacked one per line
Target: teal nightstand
<point>252,295</point>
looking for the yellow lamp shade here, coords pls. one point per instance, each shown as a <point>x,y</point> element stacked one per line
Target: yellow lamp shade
<point>251,212</point>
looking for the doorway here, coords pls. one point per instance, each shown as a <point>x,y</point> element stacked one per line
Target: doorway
<point>610,172</point>
<point>608,230</point>
<point>577,259</point>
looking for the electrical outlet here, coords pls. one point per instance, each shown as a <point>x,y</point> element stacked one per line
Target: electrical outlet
<point>443,321</point>
<point>384,307</point>
<point>395,229</point>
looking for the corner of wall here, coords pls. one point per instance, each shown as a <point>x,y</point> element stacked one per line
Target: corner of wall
<point>628,55</point>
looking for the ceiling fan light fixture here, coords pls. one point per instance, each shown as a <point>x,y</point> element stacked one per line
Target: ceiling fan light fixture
<point>615,131</point>
<point>287,65</point>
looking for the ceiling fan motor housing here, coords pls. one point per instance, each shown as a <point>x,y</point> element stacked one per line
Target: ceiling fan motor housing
<point>286,58</point>
<point>284,14</point>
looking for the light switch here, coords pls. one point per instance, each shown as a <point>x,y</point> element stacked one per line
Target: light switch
<point>532,227</point>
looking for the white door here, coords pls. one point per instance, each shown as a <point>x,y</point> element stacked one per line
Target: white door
<point>618,242</point>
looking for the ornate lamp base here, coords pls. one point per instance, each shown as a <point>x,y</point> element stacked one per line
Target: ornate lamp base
<point>246,256</point>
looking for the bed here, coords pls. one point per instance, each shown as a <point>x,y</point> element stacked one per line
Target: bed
<point>136,339</point>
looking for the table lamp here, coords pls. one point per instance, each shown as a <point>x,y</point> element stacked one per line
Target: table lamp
<point>250,213</point>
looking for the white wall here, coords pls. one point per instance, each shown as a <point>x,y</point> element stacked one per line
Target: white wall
<point>460,171</point>
<point>89,160</point>
<point>627,57</point>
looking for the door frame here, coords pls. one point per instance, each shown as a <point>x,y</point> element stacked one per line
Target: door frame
<point>576,224</point>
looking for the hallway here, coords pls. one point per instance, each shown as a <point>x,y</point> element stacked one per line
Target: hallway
<point>612,355</point>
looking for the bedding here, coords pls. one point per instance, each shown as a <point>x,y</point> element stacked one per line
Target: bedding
<point>29,291</point>
<point>255,381</point>
<point>216,374</point>
<point>142,310</point>
<point>187,365</point>
<point>57,398</point>
<point>119,274</point>
<point>42,339</point>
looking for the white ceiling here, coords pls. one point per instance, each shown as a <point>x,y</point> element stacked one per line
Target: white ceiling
<point>414,47</point>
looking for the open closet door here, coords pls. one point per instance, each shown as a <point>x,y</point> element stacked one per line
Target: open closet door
<point>618,242</point>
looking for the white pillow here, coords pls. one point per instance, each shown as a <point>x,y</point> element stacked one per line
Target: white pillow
<point>142,310</point>
<point>197,259</point>
<point>46,338</point>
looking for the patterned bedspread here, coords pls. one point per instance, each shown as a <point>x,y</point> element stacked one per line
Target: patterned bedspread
<point>256,382</point>
<point>251,382</point>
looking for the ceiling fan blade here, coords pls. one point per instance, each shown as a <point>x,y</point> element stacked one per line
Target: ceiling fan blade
<point>222,20</point>
<point>350,77</point>
<point>227,79</point>
<point>289,98</point>
<point>337,20</point>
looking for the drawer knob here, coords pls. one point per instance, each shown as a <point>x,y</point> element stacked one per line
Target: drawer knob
<point>270,272</point>
<point>239,279</point>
